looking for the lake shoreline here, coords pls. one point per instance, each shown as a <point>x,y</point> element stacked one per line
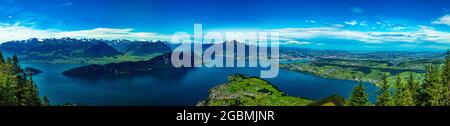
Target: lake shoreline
<point>178,88</point>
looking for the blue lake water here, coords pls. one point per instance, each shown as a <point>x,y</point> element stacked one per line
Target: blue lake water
<point>173,87</point>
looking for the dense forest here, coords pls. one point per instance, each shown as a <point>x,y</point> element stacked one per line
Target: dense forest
<point>434,90</point>
<point>16,86</point>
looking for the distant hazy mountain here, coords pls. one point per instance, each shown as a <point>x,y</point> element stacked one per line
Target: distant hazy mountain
<point>146,48</point>
<point>68,48</point>
<point>77,50</point>
<point>100,49</point>
<point>139,47</point>
<point>48,49</point>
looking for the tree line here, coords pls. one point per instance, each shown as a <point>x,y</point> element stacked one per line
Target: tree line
<point>434,90</point>
<point>16,85</point>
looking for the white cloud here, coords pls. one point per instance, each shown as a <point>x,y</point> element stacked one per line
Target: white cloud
<point>338,25</point>
<point>311,21</point>
<point>430,34</point>
<point>297,42</point>
<point>352,23</point>
<point>66,4</point>
<point>15,32</point>
<point>398,28</point>
<point>325,32</point>
<point>364,23</point>
<point>10,32</point>
<point>320,44</point>
<point>110,33</point>
<point>423,34</point>
<point>445,20</point>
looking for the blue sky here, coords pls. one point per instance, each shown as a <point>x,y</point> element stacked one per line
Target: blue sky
<point>323,24</point>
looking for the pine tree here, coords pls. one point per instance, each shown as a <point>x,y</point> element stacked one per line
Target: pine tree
<point>16,89</point>
<point>33,96</point>
<point>8,60</point>
<point>7,85</point>
<point>7,93</point>
<point>46,101</point>
<point>403,96</point>
<point>384,95</point>
<point>446,72</point>
<point>29,95</point>
<point>16,67</point>
<point>359,97</point>
<point>2,60</point>
<point>446,75</point>
<point>414,89</point>
<point>434,93</point>
<point>20,77</point>
<point>425,92</point>
<point>21,88</point>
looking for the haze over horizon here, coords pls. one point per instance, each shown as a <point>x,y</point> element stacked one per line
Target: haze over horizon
<point>400,25</point>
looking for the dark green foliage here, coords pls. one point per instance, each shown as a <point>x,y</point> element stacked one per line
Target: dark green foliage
<point>2,60</point>
<point>384,95</point>
<point>45,101</point>
<point>337,100</point>
<point>359,97</point>
<point>17,87</point>
<point>403,95</point>
<point>446,72</point>
<point>414,87</point>
<point>433,93</point>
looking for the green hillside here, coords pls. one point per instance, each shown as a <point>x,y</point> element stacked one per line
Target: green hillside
<point>250,91</point>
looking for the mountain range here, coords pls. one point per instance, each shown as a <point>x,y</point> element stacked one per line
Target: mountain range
<point>65,48</point>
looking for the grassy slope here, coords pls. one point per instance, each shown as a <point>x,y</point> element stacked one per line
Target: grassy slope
<point>250,91</point>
